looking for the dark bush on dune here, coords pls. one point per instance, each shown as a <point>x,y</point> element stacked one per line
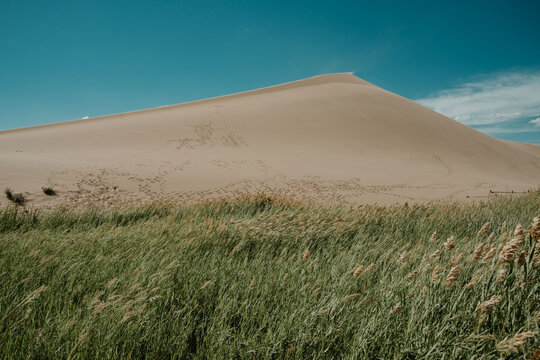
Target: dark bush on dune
<point>15,198</point>
<point>48,191</point>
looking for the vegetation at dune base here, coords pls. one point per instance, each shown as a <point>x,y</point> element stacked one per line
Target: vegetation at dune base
<point>263,278</point>
<point>47,190</point>
<point>15,198</point>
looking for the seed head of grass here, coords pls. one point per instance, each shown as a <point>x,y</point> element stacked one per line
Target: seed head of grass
<point>478,251</point>
<point>473,281</point>
<point>518,232</point>
<point>509,250</point>
<point>369,267</point>
<point>521,258</point>
<point>453,275</point>
<point>483,230</point>
<point>435,255</point>
<point>535,229</point>
<point>489,255</point>
<point>305,256</point>
<point>411,275</point>
<point>515,343</point>
<point>450,243</point>
<point>404,257</point>
<point>435,274</point>
<point>536,256</point>
<point>501,275</point>
<point>487,306</point>
<point>357,271</point>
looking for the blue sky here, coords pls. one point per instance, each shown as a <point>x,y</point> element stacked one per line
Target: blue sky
<point>476,61</point>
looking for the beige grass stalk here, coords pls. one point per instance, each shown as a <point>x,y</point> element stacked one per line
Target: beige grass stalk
<point>520,260</point>
<point>435,255</point>
<point>450,243</point>
<point>357,271</point>
<point>484,229</point>
<point>453,275</point>
<point>509,250</point>
<point>27,300</point>
<point>536,256</point>
<point>489,255</point>
<point>535,229</point>
<point>487,306</point>
<point>516,343</point>
<point>489,240</point>
<point>435,274</point>
<point>478,251</point>
<point>370,267</point>
<point>518,232</point>
<point>404,257</point>
<point>411,276</point>
<point>473,281</point>
<point>500,275</point>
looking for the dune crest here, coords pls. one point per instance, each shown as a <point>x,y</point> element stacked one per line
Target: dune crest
<point>329,138</point>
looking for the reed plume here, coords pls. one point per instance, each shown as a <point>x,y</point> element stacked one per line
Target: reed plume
<point>518,232</point>
<point>520,260</point>
<point>509,250</point>
<point>357,271</point>
<point>404,257</point>
<point>450,243</point>
<point>536,256</point>
<point>535,229</point>
<point>435,255</point>
<point>483,230</point>
<point>473,281</point>
<point>516,343</point>
<point>500,275</point>
<point>478,250</point>
<point>487,306</point>
<point>411,275</point>
<point>435,274</point>
<point>370,267</point>
<point>489,255</point>
<point>453,275</point>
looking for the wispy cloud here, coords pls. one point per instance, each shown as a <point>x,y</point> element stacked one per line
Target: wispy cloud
<point>495,99</point>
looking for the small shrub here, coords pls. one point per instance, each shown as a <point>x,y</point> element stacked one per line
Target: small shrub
<point>48,190</point>
<point>15,198</point>
<point>9,194</point>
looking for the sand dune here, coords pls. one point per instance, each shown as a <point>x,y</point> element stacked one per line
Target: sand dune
<point>330,138</point>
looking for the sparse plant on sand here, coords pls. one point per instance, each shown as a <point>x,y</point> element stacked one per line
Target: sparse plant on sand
<point>270,278</point>
<point>16,198</point>
<point>47,190</point>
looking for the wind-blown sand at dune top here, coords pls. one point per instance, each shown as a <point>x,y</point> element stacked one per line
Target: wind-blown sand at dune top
<point>330,138</point>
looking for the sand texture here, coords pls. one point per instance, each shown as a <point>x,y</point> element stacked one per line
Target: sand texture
<point>330,138</point>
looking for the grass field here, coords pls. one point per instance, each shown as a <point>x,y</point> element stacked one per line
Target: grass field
<point>263,278</point>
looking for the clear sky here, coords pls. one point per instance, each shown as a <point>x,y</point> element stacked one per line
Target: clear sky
<point>476,61</point>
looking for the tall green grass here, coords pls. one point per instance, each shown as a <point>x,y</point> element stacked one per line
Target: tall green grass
<point>264,278</point>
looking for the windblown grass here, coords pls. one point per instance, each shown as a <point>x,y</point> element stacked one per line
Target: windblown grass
<point>263,278</point>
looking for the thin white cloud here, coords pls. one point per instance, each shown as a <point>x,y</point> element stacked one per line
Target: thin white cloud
<point>535,122</point>
<point>494,99</point>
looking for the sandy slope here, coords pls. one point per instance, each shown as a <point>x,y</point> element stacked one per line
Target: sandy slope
<point>328,138</point>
